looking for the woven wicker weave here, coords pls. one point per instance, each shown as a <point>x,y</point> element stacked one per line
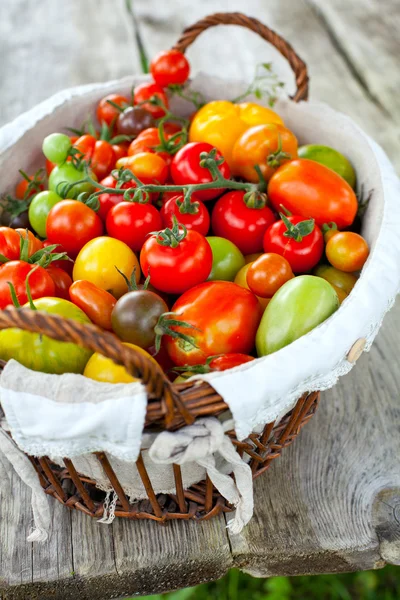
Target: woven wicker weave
<point>170,406</point>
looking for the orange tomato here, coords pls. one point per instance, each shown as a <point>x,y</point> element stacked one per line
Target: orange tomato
<point>95,302</point>
<point>267,274</point>
<point>347,251</point>
<point>241,279</point>
<point>148,167</point>
<point>267,146</point>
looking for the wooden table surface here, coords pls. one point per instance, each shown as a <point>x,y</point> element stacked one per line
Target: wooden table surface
<point>332,502</point>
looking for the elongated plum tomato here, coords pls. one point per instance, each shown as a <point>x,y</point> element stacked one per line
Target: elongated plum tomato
<point>72,224</point>
<point>106,370</point>
<point>96,303</point>
<point>330,158</point>
<point>186,169</point>
<point>311,190</point>
<point>176,259</point>
<point>243,222</point>
<point>297,307</point>
<point>226,315</point>
<point>194,216</point>
<point>16,272</point>
<point>170,67</point>
<point>41,353</point>
<point>97,262</point>
<point>132,222</point>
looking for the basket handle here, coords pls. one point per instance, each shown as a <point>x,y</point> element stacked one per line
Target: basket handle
<point>95,339</point>
<point>235,18</point>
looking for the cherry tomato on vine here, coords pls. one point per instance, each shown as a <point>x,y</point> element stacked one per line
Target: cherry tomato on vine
<point>16,272</point>
<point>267,274</point>
<point>99,152</point>
<point>27,188</point>
<point>311,190</point>
<point>267,146</point>
<point>177,259</point>
<point>98,262</point>
<point>148,167</point>
<point>149,141</point>
<point>170,67</point>
<point>242,221</point>
<point>120,150</point>
<point>39,209</point>
<point>72,224</point>
<point>145,91</point>
<point>108,200</point>
<point>186,169</point>
<point>300,242</point>
<point>132,222</point>
<point>62,281</point>
<point>56,147</point>
<point>194,214</point>
<point>95,302</point>
<point>106,112</point>
<point>226,316</point>
<point>68,173</point>
<point>347,251</point>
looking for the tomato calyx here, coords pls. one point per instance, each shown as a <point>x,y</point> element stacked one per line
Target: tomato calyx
<point>171,237</point>
<point>175,142</point>
<point>164,327</point>
<point>197,369</point>
<point>132,283</point>
<point>276,158</point>
<point>187,206</point>
<point>42,258</point>
<point>255,199</point>
<point>299,231</point>
<point>329,230</point>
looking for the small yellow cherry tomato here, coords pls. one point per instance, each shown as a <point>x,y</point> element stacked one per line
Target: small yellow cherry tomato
<point>98,261</point>
<point>104,369</point>
<point>241,279</point>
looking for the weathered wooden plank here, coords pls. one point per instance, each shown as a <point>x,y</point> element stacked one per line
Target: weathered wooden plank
<point>366,33</point>
<point>234,53</point>
<point>48,46</point>
<point>324,505</point>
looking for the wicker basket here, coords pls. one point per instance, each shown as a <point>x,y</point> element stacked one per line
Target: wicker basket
<point>170,406</point>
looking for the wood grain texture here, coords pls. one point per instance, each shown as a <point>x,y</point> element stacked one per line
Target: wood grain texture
<point>331,503</point>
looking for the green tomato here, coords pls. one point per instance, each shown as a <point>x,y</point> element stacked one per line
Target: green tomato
<point>67,173</point>
<point>41,353</point>
<point>39,208</point>
<point>330,158</point>
<point>56,147</point>
<point>297,307</point>
<point>227,259</point>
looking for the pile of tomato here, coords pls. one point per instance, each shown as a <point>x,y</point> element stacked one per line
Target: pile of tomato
<point>202,242</point>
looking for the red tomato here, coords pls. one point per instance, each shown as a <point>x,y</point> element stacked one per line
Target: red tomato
<point>72,224</point>
<point>108,200</point>
<point>96,303</point>
<point>194,217</point>
<point>170,67</point>
<point>106,112</point>
<point>311,190</point>
<point>34,243</point>
<point>120,150</point>
<point>302,250</point>
<point>49,166</point>
<point>62,281</point>
<point>185,169</point>
<point>132,222</point>
<point>178,266</point>
<point>145,91</point>
<point>99,152</point>
<point>149,139</point>
<point>16,272</point>
<point>244,226</point>
<point>10,243</point>
<point>226,315</point>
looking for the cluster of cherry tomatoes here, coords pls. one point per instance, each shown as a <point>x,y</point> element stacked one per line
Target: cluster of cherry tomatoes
<point>202,242</point>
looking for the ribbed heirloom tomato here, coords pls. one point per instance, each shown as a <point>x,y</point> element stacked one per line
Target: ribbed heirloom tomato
<point>311,190</point>
<point>225,316</point>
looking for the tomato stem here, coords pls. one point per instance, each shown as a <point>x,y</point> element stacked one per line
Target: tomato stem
<point>275,159</point>
<point>171,236</point>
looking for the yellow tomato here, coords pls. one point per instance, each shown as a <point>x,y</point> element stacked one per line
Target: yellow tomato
<point>254,114</point>
<point>240,279</point>
<point>221,123</point>
<point>97,262</point>
<point>104,369</point>
<point>340,293</point>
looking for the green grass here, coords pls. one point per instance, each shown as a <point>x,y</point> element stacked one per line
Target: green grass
<point>368,585</point>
